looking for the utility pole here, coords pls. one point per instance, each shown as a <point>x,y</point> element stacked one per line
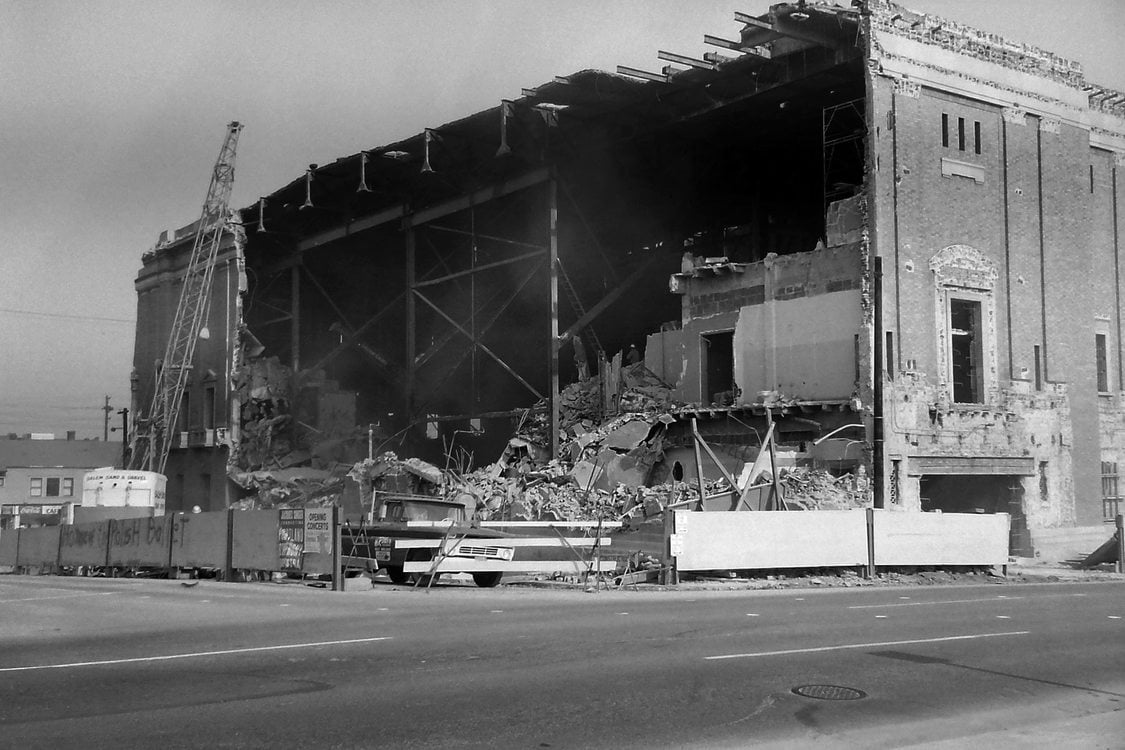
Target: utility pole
<point>105,422</point>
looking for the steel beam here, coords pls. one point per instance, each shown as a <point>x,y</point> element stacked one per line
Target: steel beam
<point>519,378</point>
<point>400,212</point>
<point>602,304</point>
<point>479,236</point>
<point>477,269</point>
<point>386,216</point>
<point>498,190</point>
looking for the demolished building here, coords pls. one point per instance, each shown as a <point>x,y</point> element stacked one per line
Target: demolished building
<point>890,237</point>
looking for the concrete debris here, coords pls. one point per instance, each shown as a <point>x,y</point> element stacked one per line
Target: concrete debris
<point>812,489</point>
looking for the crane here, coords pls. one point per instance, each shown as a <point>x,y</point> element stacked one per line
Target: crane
<point>152,438</point>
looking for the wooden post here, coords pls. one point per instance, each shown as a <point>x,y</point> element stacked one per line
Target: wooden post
<point>337,572</point>
<point>698,464</point>
<point>669,575</point>
<point>108,542</point>
<point>228,568</point>
<point>870,543</point>
<point>777,502</point>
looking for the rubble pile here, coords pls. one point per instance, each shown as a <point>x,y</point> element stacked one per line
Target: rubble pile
<point>607,469</point>
<point>814,489</point>
<point>582,404</point>
<point>643,391</point>
<point>295,487</point>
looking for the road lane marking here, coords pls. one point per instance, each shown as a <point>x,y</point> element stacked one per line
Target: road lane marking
<point>842,647</point>
<point>63,596</point>
<point>992,599</point>
<point>192,655</point>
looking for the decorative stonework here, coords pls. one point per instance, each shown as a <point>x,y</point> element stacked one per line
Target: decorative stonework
<point>1049,124</point>
<point>1119,159</point>
<point>965,40</point>
<point>1014,115</point>
<point>963,272</point>
<point>963,266</point>
<point>911,89</point>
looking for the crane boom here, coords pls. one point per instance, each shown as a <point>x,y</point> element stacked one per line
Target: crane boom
<point>153,436</point>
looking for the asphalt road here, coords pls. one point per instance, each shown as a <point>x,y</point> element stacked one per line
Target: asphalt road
<point>88,663</point>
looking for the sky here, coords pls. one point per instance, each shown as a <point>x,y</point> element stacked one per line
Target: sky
<point>112,114</point>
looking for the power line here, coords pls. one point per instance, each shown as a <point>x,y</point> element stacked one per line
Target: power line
<point>66,315</point>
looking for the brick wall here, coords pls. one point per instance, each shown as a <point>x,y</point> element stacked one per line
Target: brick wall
<point>1055,260</point>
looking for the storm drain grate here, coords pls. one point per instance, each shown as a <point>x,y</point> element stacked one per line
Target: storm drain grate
<point>829,692</point>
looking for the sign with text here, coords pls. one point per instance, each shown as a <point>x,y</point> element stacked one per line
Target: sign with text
<point>318,530</point>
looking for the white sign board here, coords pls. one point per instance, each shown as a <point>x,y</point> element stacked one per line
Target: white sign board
<point>318,530</point>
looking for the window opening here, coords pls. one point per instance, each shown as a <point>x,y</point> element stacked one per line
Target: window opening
<point>960,133</point>
<point>1102,362</point>
<point>945,130</point>
<point>185,413</point>
<point>965,345</point>
<point>1038,371</point>
<point>718,367</point>
<point>1091,178</point>
<point>68,487</point>
<point>1111,495</point>
<point>53,484</point>
<point>976,137</point>
<point>209,408</point>
<point>36,487</point>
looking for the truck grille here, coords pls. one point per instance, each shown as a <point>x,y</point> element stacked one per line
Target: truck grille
<point>472,550</point>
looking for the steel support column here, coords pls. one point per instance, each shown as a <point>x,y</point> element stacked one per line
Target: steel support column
<point>295,322</point>
<point>553,230</point>
<point>411,321</point>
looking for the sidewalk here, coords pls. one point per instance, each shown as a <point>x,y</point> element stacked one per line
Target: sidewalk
<point>1029,569</point>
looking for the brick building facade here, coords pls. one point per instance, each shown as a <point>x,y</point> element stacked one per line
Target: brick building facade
<point>902,232</point>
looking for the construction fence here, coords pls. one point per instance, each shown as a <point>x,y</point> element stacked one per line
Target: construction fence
<point>297,540</point>
<point>307,540</point>
<point>836,538</point>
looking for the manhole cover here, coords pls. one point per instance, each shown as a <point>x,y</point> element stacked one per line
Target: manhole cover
<point>829,692</point>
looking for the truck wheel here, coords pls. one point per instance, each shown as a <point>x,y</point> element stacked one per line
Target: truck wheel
<point>487,580</point>
<point>397,575</point>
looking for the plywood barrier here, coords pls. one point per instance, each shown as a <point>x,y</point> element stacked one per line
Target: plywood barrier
<point>199,540</point>
<point>941,538</point>
<point>39,546</point>
<point>9,543</point>
<point>255,540</point>
<point>737,540</point>
<point>84,544</point>
<point>94,515</point>
<point>139,542</point>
